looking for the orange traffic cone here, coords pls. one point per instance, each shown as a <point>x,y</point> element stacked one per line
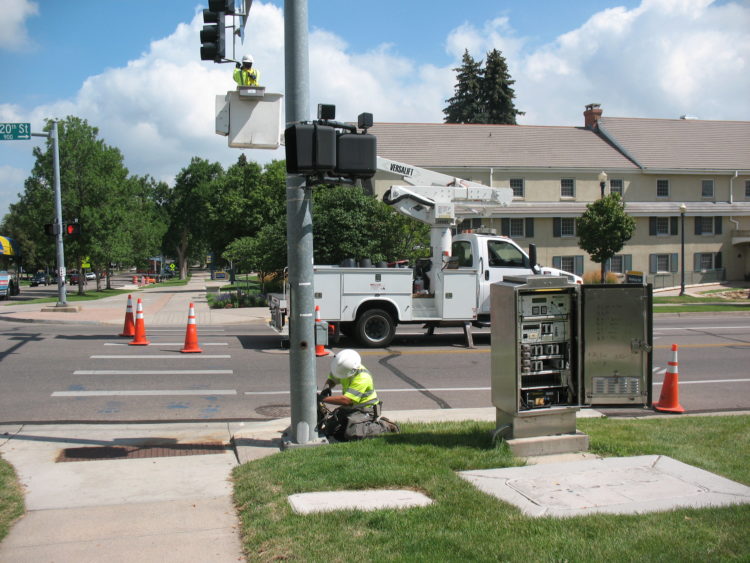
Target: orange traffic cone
<point>129,328</point>
<point>140,327</point>
<point>669,400</point>
<point>191,334</point>
<point>320,349</point>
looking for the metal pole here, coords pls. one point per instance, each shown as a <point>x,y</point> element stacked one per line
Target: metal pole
<point>62,300</point>
<point>682,249</point>
<point>299,234</point>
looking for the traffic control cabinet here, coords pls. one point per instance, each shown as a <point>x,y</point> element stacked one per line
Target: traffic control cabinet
<point>557,347</point>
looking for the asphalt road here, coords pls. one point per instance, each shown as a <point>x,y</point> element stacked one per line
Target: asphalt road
<point>60,372</point>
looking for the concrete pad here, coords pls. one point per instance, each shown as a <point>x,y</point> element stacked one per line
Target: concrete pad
<point>631,485</point>
<point>307,503</point>
<point>193,530</point>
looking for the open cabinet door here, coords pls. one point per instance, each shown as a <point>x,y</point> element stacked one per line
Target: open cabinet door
<point>617,344</point>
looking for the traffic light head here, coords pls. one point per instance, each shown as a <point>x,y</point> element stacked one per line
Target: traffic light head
<point>213,38</point>
<point>51,229</point>
<point>73,229</point>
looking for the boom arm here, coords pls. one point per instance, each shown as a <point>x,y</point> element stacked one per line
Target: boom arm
<point>438,199</point>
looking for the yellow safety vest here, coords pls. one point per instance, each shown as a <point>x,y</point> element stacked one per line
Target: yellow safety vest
<point>359,388</point>
<point>246,77</point>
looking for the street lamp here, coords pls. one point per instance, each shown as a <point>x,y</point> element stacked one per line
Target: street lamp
<point>683,208</point>
<point>602,181</point>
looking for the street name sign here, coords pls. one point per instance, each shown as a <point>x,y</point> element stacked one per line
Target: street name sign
<point>15,131</point>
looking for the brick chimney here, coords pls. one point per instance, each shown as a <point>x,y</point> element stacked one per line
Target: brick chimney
<point>591,115</point>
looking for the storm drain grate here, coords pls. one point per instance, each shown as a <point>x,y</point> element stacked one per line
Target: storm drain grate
<point>93,453</point>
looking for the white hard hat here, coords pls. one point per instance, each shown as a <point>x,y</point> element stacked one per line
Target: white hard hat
<point>344,363</point>
<point>247,59</point>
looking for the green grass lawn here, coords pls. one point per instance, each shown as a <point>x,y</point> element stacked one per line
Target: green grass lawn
<point>464,524</point>
<point>11,498</point>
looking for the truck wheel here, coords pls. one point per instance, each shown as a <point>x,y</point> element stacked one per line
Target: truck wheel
<point>375,328</point>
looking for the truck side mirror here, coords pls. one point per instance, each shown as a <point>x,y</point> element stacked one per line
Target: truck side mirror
<point>532,256</point>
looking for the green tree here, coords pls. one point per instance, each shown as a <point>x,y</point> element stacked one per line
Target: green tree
<point>187,207</point>
<point>482,94</point>
<point>604,228</point>
<point>92,175</point>
<point>498,93</point>
<point>467,105</point>
<point>349,224</point>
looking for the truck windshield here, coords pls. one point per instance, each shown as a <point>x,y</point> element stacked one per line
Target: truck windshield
<point>502,254</point>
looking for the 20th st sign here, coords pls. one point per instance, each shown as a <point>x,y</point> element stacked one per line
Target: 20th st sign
<point>15,131</point>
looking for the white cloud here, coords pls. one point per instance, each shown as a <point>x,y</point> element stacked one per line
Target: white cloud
<point>13,35</point>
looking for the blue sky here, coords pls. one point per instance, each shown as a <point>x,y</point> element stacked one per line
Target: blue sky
<point>132,68</point>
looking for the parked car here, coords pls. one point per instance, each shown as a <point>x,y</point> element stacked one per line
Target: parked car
<point>90,276</point>
<point>41,278</point>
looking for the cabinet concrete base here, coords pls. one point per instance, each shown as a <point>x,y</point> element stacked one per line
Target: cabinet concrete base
<point>539,422</point>
<point>549,445</point>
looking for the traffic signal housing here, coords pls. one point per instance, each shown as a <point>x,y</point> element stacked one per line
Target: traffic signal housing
<point>73,229</point>
<point>213,36</point>
<point>51,229</point>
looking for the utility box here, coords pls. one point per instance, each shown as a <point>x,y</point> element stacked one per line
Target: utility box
<point>557,347</point>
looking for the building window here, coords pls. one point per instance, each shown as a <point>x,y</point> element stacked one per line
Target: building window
<point>620,263</point>
<point>663,226</point>
<point>704,261</point>
<point>707,188</point>
<point>747,189</point>
<point>662,263</point>
<point>572,264</point>
<point>563,227</point>
<point>471,224</point>
<point>708,225</point>
<point>517,227</point>
<point>567,187</point>
<point>662,188</point>
<point>516,184</point>
<point>615,187</point>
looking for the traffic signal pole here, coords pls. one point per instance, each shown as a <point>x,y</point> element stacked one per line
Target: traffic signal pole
<point>62,300</point>
<point>299,236</point>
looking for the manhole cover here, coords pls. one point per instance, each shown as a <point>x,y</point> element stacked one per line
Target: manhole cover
<point>94,453</point>
<point>275,411</point>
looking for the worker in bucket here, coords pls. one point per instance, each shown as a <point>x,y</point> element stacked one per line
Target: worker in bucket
<point>357,415</point>
<point>245,74</point>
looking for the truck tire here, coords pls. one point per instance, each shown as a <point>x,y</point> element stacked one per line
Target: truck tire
<point>375,328</point>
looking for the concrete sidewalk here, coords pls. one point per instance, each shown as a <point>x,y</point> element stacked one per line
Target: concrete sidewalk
<point>162,306</point>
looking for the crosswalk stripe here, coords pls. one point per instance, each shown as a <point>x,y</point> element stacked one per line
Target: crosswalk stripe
<point>154,372</point>
<point>161,357</point>
<point>154,392</point>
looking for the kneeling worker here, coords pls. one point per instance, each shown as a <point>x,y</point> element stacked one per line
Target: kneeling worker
<point>244,74</point>
<point>357,415</point>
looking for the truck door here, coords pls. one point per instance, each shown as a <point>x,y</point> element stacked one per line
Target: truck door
<point>503,259</point>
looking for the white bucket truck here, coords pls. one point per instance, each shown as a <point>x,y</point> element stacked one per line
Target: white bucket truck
<point>451,288</point>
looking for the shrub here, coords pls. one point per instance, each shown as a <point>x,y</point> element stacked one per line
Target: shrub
<point>236,299</point>
<point>594,277</point>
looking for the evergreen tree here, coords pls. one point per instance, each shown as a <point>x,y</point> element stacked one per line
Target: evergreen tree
<point>498,94</point>
<point>482,95</point>
<point>466,105</point>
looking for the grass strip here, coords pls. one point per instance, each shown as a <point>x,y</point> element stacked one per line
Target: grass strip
<point>466,525</point>
<point>11,498</point>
